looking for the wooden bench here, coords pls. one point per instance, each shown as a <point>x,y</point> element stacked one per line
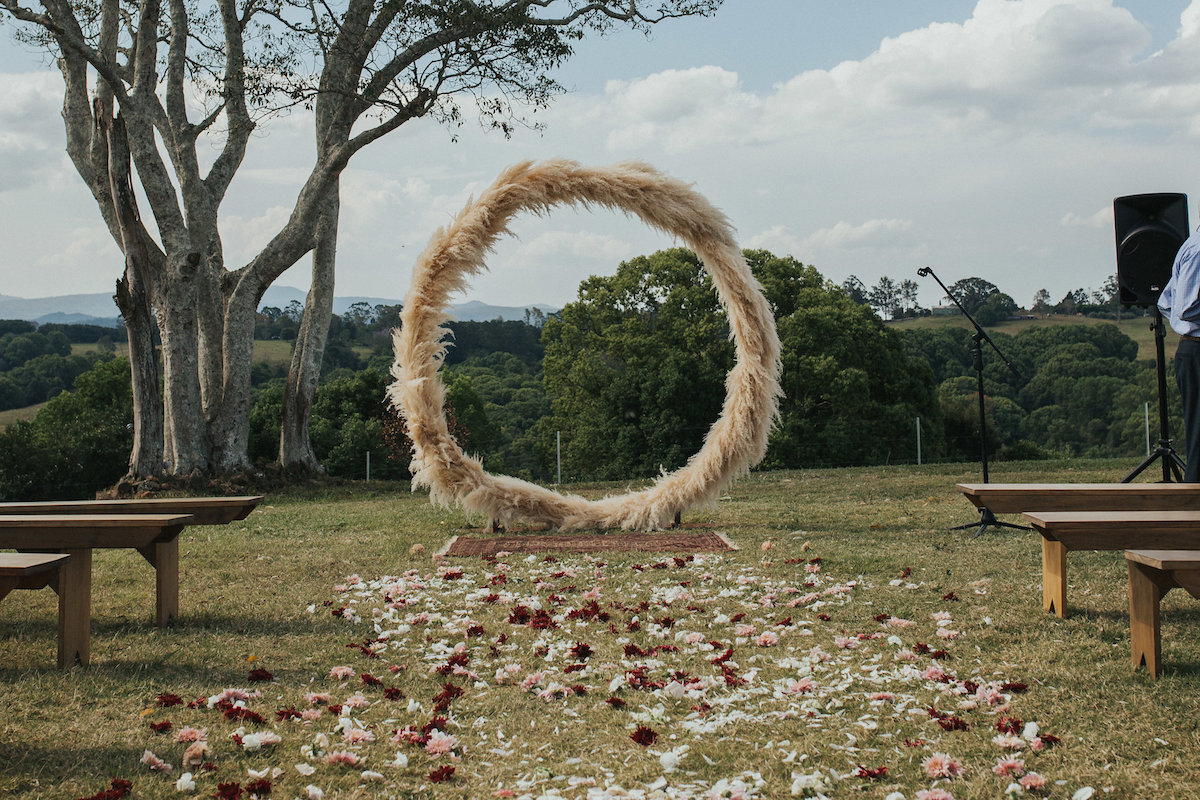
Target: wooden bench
<point>1017,498</point>
<point>204,510</point>
<point>35,571</point>
<point>1153,573</point>
<point>155,536</point>
<point>1063,531</point>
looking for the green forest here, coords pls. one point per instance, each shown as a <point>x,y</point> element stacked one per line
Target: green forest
<point>622,383</point>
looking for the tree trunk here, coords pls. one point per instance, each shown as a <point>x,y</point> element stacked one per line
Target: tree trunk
<point>231,432</point>
<point>185,445</point>
<point>295,447</point>
<point>145,460</point>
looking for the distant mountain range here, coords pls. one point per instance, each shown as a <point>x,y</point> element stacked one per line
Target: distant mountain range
<point>99,309</point>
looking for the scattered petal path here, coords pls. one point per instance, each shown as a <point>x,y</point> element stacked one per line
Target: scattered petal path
<point>547,677</point>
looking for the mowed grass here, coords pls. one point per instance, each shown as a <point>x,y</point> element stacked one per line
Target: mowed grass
<point>885,551</point>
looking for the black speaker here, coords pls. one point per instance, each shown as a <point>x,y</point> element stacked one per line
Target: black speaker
<point>1150,230</point>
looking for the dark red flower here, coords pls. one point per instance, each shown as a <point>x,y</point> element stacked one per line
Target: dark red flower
<point>644,736</point>
<point>117,788</point>
<point>161,727</point>
<point>616,702</point>
<point>166,700</point>
<point>449,693</point>
<point>1014,686</point>
<point>1049,739</point>
<point>953,723</point>
<point>581,651</point>
<point>370,680</point>
<point>1010,725</point>
<point>260,787</point>
<point>871,773</point>
<point>228,791</point>
<point>881,618</point>
<point>915,742</point>
<point>435,724</point>
<point>260,675</point>
<point>951,596</point>
<point>442,774</point>
<point>824,617</point>
<point>475,630</point>
<point>904,573</point>
<point>287,713</point>
<point>392,693</point>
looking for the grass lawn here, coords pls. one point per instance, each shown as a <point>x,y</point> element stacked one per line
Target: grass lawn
<point>852,647</point>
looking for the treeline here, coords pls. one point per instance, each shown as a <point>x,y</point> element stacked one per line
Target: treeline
<point>36,362</point>
<point>982,299</point>
<point>629,377</point>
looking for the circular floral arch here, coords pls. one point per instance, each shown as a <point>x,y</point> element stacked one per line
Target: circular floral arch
<point>734,443</point>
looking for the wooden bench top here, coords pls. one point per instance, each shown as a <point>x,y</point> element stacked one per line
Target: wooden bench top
<point>204,510</point>
<point>1166,559</point>
<point>1118,530</point>
<point>1016,498</point>
<point>18,565</point>
<point>76,531</point>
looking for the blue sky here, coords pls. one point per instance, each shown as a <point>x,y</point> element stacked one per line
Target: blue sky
<point>865,137</point>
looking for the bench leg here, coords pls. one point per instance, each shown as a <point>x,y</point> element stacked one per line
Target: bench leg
<point>1054,577</point>
<point>1145,593</point>
<point>75,609</point>
<point>166,588</point>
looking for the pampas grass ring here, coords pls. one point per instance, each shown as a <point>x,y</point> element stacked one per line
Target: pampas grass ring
<point>735,442</point>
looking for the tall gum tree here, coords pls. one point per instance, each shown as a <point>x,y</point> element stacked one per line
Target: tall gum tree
<point>146,82</point>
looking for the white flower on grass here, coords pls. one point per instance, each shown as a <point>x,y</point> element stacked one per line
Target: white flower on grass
<point>1083,794</point>
<point>809,785</point>
<point>185,783</point>
<point>313,792</point>
<point>368,775</point>
<point>305,769</point>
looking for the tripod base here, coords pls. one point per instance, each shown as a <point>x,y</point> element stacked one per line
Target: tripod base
<point>987,520</point>
<point>1172,464</point>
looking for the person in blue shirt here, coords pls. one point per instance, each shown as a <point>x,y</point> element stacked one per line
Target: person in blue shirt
<point>1180,304</point>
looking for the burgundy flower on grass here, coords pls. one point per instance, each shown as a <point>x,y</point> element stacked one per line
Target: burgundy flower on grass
<point>228,791</point>
<point>259,788</point>
<point>644,736</point>
<point>442,774</point>
<point>167,699</point>
<point>616,702</point>
<point>161,727</point>
<point>260,675</point>
<point>871,773</point>
<point>117,788</point>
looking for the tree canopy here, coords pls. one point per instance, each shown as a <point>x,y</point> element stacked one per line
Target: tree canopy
<point>635,369</point>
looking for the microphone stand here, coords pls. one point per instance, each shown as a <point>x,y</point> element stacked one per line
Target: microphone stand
<point>986,517</point>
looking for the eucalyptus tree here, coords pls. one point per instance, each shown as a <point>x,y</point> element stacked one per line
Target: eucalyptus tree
<point>147,83</point>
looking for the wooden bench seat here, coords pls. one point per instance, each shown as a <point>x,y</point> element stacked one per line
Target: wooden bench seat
<point>204,510</point>
<point>1017,498</point>
<point>155,536</point>
<point>36,571</point>
<point>1153,573</point>
<point>1063,531</point>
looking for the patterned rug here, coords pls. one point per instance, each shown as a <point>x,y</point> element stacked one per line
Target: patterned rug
<point>668,541</point>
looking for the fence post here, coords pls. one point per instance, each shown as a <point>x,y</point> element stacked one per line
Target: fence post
<point>558,454</point>
<point>368,466</point>
<point>918,441</point>
<point>1147,430</point>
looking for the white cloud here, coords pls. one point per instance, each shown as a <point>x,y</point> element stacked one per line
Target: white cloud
<point>1100,219</point>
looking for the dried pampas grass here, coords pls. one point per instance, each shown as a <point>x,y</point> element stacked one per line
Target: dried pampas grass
<point>735,442</point>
